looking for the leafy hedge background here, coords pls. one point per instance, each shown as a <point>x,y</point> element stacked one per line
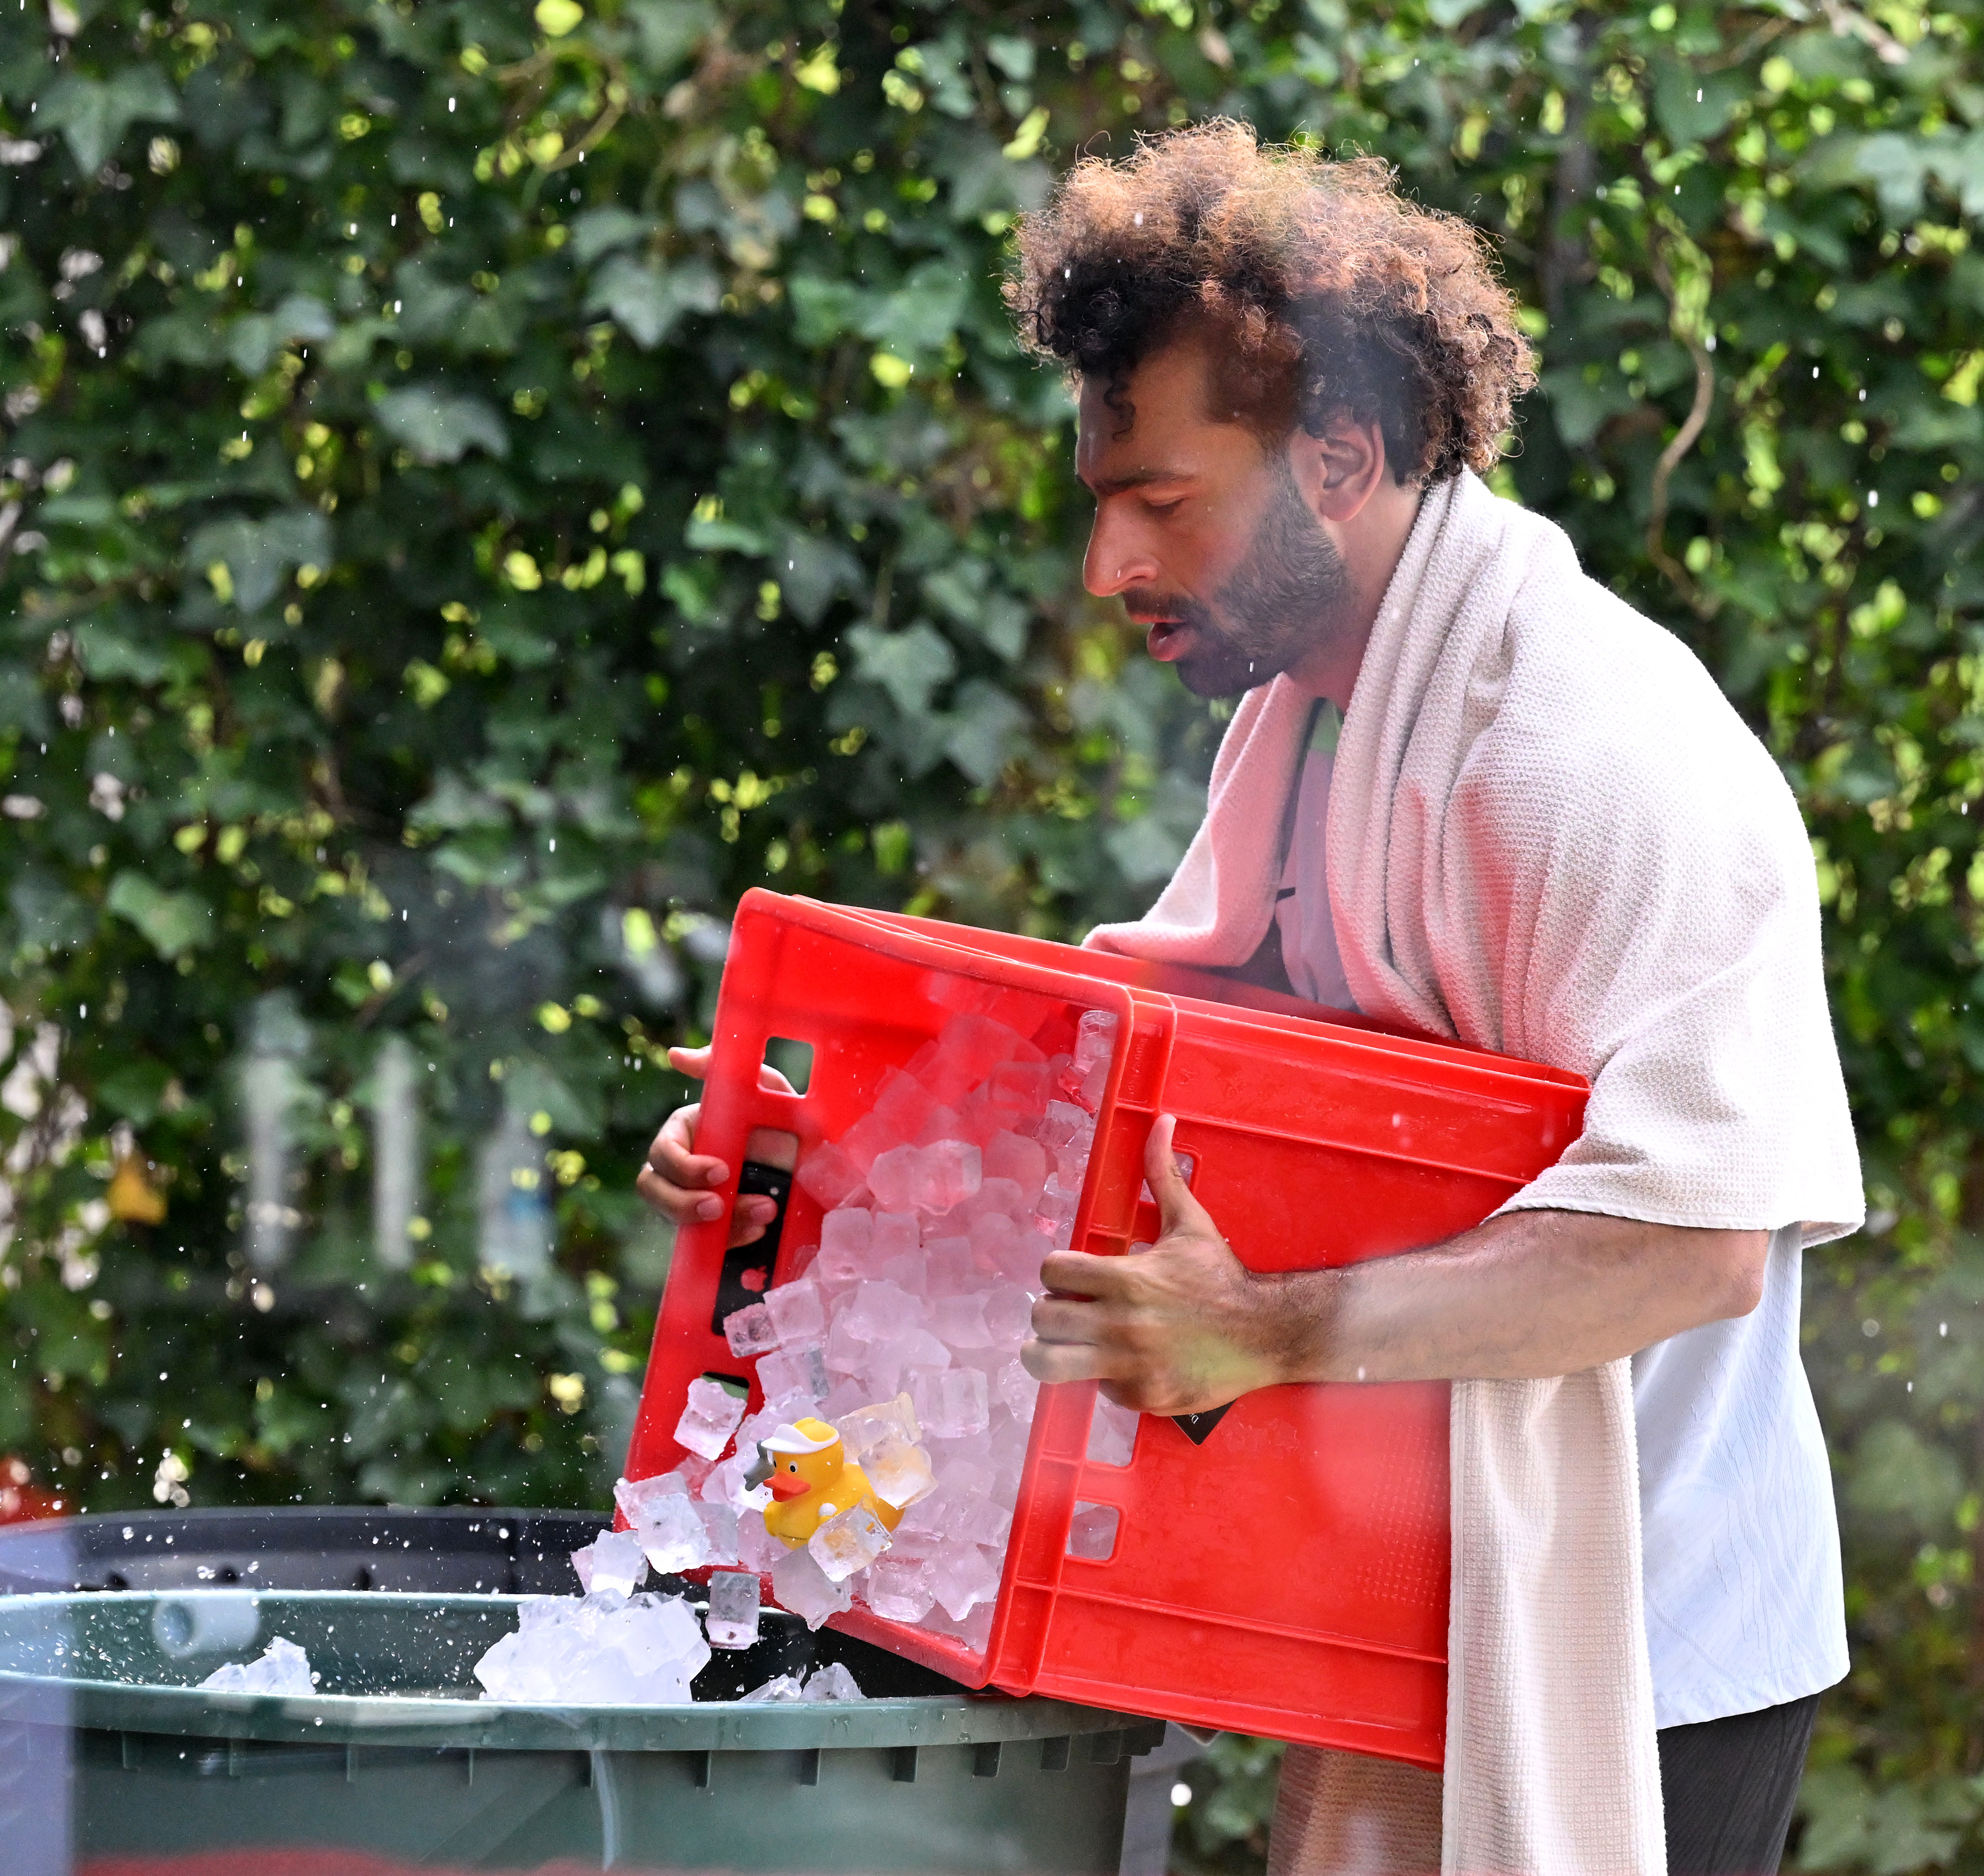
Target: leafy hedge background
<point>481,488</point>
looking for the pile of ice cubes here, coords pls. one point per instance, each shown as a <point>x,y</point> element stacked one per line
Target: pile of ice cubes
<point>283,1668</point>
<point>904,1332</point>
<point>605,1647</point>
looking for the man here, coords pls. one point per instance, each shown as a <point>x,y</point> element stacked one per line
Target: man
<point>1548,835</point>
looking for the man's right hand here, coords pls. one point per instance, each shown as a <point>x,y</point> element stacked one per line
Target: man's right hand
<point>677,1179</point>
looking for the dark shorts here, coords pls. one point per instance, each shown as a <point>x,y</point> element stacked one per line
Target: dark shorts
<point>1728,1787</point>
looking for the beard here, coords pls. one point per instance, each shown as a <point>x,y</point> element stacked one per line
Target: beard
<point>1290,591</point>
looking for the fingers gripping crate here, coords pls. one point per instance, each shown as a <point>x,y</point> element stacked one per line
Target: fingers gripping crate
<point>1280,1568</point>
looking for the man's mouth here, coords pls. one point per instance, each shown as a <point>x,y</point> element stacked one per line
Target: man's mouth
<point>1167,639</point>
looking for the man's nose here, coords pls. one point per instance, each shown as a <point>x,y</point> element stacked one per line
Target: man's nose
<point>1115,560</point>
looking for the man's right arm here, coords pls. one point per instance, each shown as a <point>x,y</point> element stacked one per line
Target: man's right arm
<point>1184,1326</point>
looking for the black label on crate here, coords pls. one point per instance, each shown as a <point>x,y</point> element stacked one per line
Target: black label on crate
<point>1197,1426</point>
<point>747,1268</point>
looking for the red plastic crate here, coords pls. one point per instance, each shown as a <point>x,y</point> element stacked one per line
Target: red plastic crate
<point>1289,1576</point>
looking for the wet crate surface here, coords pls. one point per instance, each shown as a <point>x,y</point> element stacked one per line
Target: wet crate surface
<point>1288,1575</point>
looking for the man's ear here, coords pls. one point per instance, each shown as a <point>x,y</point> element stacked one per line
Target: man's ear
<point>1339,471</point>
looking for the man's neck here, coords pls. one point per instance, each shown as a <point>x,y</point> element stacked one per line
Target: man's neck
<point>1372,545</point>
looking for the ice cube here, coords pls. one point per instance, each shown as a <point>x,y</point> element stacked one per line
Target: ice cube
<point>881,1375</point>
<point>725,1484</point>
<point>953,1170</point>
<point>1094,1084</point>
<point>849,1541</point>
<point>829,1176</point>
<point>757,1549</point>
<point>881,1312</point>
<point>928,1521</point>
<point>904,1105</point>
<point>1009,1316</point>
<point>950,1402</point>
<point>944,1123</point>
<point>1017,1389</point>
<point>959,1322</point>
<point>1095,1038</point>
<point>832,1681</point>
<point>899,1471</point>
<point>613,1560</point>
<point>899,1589</point>
<point>1062,1123</point>
<point>673,1536</point>
<point>780,1690</point>
<point>1055,1214</point>
<point>1008,1156</point>
<point>749,1331</point>
<point>967,1460</point>
<point>1092,1532</point>
<point>1006,1247</point>
<point>282,1668</point>
<point>897,1233</point>
<point>1112,1433</point>
<point>500,1670</point>
<point>732,1620</point>
<point>797,1313</point>
<point>802,1587</point>
<point>847,1394</point>
<point>921,1349</point>
<point>949,1269</point>
<point>897,1178</point>
<point>942,1072</point>
<point>794,1371</point>
<point>868,1139</point>
<point>847,1350</point>
<point>963,1577</point>
<point>978,1119</point>
<point>719,1531</point>
<point>658,1635</point>
<point>986,1523</point>
<point>639,1498</point>
<point>1020,1090</point>
<point>866,1427</point>
<point>1070,1167</point>
<point>844,1239</point>
<point>708,1419</point>
<point>977,1045</point>
<point>907,1273</point>
<point>995,1197</point>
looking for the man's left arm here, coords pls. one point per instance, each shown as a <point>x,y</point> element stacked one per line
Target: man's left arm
<point>1185,1326</point>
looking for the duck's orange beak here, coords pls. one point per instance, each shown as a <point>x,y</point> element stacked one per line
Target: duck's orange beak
<point>789,1485</point>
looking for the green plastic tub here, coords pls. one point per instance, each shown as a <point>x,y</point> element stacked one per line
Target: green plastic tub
<point>396,1764</point>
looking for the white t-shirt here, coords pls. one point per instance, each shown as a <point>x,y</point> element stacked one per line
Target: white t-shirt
<point>1744,1606</point>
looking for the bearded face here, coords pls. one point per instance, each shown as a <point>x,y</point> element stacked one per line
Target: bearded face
<point>1289,591</point>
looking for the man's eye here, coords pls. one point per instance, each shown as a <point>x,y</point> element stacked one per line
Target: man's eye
<point>1164,507</point>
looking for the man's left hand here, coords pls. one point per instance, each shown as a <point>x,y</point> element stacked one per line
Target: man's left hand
<point>1180,1328</point>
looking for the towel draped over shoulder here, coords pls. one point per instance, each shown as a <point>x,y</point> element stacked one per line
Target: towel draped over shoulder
<point>1548,834</point>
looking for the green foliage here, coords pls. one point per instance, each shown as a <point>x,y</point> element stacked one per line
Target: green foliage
<point>480,494</point>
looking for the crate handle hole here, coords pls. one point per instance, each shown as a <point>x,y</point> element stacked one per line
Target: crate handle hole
<point>790,1058</point>
<point>1091,1535</point>
<point>1186,1164</point>
<point>1112,1433</point>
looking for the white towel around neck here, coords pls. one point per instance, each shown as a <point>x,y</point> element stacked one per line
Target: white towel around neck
<point>1548,834</point>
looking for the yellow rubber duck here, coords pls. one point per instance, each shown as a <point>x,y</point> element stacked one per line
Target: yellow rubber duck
<point>812,1478</point>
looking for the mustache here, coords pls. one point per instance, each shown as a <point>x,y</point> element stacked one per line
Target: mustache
<point>1147,602</point>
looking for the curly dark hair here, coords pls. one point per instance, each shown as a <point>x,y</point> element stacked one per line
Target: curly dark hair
<point>1328,291</point>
